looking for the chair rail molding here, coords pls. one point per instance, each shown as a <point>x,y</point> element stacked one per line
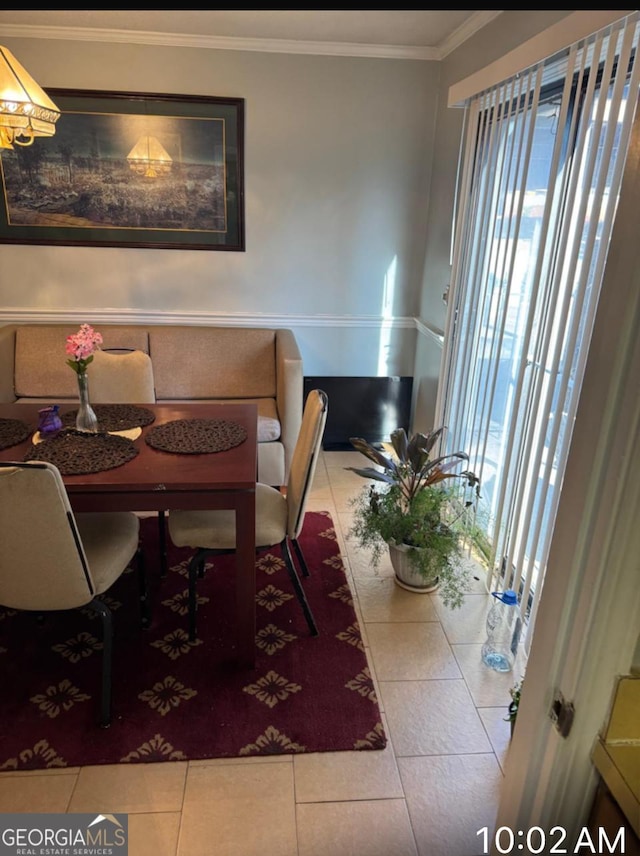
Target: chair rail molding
<point>430,331</point>
<point>19,315</point>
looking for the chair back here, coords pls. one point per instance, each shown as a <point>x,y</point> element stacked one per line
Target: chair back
<point>42,562</point>
<point>305,458</point>
<point>125,378</point>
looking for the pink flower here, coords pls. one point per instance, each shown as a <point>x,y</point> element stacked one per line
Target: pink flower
<point>81,346</point>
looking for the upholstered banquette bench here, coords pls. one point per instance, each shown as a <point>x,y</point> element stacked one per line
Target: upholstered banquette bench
<point>226,364</point>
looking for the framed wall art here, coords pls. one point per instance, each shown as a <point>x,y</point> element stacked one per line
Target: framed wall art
<point>130,170</point>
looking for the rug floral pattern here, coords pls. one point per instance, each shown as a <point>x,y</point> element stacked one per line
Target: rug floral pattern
<point>180,700</point>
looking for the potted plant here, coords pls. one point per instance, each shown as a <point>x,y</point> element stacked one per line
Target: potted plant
<point>418,515</point>
<point>514,704</point>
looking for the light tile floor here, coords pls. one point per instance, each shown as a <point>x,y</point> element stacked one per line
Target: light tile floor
<point>436,783</point>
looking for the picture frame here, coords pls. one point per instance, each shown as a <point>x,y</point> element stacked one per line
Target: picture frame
<point>130,170</point>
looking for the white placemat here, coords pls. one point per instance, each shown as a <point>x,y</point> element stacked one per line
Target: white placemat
<point>130,434</point>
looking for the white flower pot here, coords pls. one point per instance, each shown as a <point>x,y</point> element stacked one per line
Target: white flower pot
<point>407,577</point>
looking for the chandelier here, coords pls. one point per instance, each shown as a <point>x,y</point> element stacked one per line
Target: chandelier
<point>26,111</point>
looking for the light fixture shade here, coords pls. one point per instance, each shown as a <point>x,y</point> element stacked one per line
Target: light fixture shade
<point>26,111</point>
<point>149,157</point>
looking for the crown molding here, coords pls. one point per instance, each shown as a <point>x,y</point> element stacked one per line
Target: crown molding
<point>565,32</point>
<point>465,31</point>
<point>233,43</point>
<point>227,43</point>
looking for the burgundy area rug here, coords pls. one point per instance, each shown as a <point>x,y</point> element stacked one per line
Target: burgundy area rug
<point>173,700</point>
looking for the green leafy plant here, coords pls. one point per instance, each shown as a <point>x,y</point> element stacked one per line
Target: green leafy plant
<point>418,507</point>
<point>512,713</point>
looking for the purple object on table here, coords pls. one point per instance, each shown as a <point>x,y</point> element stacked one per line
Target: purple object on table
<point>49,421</point>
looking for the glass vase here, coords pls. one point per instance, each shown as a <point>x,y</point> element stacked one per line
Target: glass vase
<point>86,419</point>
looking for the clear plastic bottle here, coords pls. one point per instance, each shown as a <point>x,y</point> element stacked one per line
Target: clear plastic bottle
<point>503,632</point>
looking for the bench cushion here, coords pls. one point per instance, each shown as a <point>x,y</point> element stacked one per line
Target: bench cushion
<point>40,374</point>
<point>213,362</point>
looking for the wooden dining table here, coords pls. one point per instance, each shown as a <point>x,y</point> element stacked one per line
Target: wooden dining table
<point>161,481</point>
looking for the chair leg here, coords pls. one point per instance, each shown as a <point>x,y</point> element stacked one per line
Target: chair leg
<point>301,560</point>
<point>145,606</point>
<point>196,570</point>
<point>162,540</point>
<point>295,579</point>
<point>107,653</point>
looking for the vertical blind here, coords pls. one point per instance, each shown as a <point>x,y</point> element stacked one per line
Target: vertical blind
<point>542,161</point>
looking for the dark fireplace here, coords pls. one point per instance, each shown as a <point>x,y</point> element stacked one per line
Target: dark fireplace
<point>368,407</point>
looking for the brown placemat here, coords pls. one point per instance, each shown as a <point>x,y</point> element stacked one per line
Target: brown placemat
<point>115,417</point>
<point>77,453</point>
<point>196,436</point>
<point>12,432</point>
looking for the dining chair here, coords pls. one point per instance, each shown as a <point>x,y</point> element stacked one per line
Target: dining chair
<point>127,378</point>
<point>279,516</point>
<point>52,559</point>
<point>122,378</point>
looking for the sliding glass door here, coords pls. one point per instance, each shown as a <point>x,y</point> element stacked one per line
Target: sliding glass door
<point>544,154</point>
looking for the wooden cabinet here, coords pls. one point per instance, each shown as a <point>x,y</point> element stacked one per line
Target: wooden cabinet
<point>607,815</point>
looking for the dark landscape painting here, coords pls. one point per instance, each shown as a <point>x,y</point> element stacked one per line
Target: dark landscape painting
<point>127,178</point>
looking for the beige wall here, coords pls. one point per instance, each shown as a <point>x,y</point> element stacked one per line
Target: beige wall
<point>336,169</point>
<point>350,168</point>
